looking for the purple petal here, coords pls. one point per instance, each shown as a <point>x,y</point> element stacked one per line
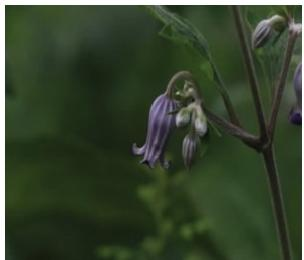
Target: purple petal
<point>295,117</point>
<point>160,124</point>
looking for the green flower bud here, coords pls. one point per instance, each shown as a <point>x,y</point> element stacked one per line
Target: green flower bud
<point>183,117</point>
<point>200,123</point>
<point>200,126</point>
<point>278,22</point>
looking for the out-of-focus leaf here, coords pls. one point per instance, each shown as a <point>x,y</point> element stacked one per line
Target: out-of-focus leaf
<point>181,30</point>
<point>80,191</point>
<point>206,68</point>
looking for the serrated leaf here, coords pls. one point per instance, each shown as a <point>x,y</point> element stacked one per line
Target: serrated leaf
<point>181,30</point>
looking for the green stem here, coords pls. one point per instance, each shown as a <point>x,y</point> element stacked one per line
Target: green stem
<point>254,86</point>
<point>266,141</point>
<point>279,89</point>
<point>277,202</point>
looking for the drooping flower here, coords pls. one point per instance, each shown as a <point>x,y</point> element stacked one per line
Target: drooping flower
<point>190,145</point>
<point>295,115</point>
<point>161,122</point>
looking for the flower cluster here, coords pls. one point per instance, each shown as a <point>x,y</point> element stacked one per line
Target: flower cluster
<point>165,115</point>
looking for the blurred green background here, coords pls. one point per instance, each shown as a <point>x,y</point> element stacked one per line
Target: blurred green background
<point>79,83</point>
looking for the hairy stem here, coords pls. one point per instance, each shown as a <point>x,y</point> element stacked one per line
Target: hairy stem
<point>277,202</point>
<point>279,89</point>
<point>250,71</point>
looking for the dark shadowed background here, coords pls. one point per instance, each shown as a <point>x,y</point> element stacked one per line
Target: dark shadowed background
<point>79,83</point>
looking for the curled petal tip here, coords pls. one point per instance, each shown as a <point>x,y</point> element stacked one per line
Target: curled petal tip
<point>138,150</point>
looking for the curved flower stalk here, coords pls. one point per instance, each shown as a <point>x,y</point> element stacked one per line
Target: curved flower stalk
<point>295,116</point>
<point>160,124</point>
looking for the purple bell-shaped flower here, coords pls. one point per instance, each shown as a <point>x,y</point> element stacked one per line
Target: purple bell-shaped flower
<point>295,115</point>
<point>160,124</point>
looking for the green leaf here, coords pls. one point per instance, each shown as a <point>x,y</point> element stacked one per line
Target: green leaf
<point>180,30</point>
<point>206,68</point>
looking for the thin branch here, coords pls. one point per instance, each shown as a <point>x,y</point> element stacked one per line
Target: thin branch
<point>265,139</point>
<point>233,130</point>
<point>250,71</point>
<point>277,202</point>
<point>279,89</point>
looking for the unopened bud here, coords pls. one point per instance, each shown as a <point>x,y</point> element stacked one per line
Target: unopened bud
<point>200,127</point>
<point>278,22</point>
<point>200,123</point>
<point>190,145</point>
<point>264,29</point>
<point>183,117</point>
<point>261,34</point>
